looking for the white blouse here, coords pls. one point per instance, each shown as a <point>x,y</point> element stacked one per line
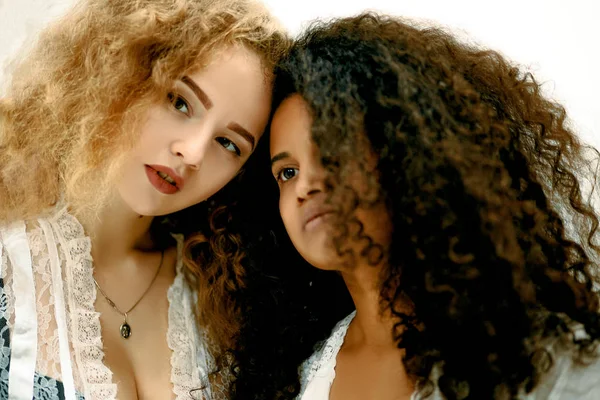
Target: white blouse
<point>50,338</point>
<point>567,380</point>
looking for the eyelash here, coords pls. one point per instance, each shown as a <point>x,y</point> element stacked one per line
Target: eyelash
<point>174,98</point>
<point>279,175</point>
<point>223,141</point>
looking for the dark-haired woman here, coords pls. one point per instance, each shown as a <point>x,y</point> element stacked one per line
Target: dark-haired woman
<point>436,180</point>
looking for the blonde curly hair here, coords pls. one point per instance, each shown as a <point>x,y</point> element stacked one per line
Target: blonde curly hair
<point>77,100</point>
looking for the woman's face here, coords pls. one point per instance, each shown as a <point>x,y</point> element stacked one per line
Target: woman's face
<point>197,140</point>
<point>296,165</point>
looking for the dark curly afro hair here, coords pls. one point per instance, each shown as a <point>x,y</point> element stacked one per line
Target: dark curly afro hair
<point>482,178</point>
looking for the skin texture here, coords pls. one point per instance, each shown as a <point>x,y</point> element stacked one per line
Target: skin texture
<point>190,142</point>
<point>369,365</point>
<point>195,138</point>
<point>303,191</point>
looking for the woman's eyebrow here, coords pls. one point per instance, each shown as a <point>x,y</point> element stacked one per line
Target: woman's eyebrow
<point>202,96</point>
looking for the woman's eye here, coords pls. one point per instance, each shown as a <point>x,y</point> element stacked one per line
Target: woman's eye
<point>287,173</point>
<point>179,103</point>
<point>229,145</point>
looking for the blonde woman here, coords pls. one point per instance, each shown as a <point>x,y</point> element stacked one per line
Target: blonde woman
<point>123,112</point>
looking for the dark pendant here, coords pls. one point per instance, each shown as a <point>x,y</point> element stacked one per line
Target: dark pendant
<point>125,330</point>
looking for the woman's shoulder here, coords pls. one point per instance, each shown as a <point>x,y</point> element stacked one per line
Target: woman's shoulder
<point>58,213</point>
<point>25,242</point>
<point>17,239</point>
<point>574,374</point>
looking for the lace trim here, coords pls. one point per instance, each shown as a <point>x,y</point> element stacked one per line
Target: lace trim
<point>7,308</point>
<point>48,354</point>
<point>323,362</point>
<point>84,319</point>
<point>182,336</point>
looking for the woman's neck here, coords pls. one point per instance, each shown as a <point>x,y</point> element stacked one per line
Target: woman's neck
<point>373,325</point>
<point>117,231</point>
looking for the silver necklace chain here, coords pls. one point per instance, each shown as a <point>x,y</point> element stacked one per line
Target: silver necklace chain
<point>125,328</point>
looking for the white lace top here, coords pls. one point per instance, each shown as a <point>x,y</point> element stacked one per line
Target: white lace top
<point>567,380</point>
<point>50,339</point>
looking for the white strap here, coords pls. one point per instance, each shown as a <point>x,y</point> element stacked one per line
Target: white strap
<point>1,246</point>
<point>60,313</point>
<point>24,335</point>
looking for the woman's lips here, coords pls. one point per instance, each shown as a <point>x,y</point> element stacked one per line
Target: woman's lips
<point>162,184</point>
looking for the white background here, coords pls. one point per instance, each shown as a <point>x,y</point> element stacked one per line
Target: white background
<point>559,40</point>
